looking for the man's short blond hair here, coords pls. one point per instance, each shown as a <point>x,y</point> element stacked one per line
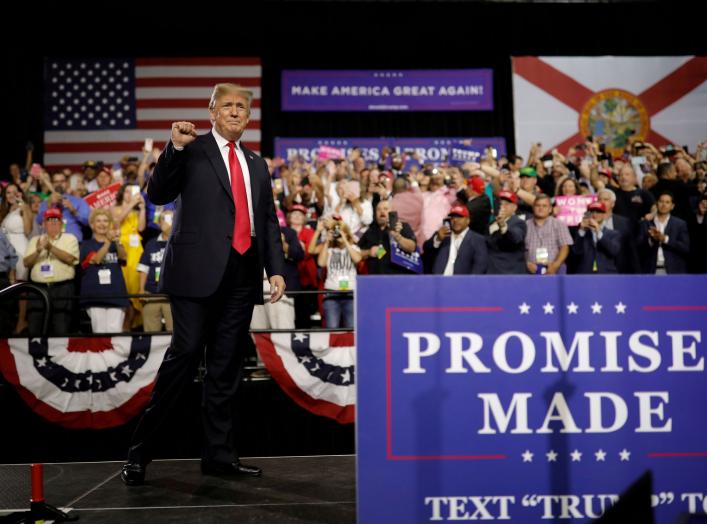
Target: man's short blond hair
<point>221,90</point>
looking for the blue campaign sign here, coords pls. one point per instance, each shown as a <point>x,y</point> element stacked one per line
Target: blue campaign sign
<point>433,150</point>
<point>529,399</point>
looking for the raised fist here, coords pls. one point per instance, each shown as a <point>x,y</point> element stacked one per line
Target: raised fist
<point>183,133</point>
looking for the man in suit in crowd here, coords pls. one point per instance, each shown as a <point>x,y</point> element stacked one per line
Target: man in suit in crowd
<point>225,230</point>
<point>665,240</point>
<point>478,204</point>
<point>627,261</point>
<point>457,250</point>
<point>597,247</point>
<point>506,238</point>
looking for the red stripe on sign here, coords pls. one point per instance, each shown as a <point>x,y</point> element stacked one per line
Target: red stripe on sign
<point>388,389</point>
<point>89,345</point>
<point>195,103</point>
<point>267,352</point>
<point>198,61</point>
<point>676,85</point>
<point>167,124</point>
<point>195,82</point>
<point>554,82</point>
<point>679,454</point>
<point>448,457</point>
<point>674,308</point>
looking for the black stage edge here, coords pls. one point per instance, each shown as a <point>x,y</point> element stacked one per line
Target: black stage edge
<point>268,423</point>
<point>314,489</point>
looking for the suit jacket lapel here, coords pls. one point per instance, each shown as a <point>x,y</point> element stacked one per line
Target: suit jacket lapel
<point>214,156</point>
<point>254,186</point>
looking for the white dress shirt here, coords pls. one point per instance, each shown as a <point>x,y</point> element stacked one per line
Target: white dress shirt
<point>454,244</point>
<point>224,149</point>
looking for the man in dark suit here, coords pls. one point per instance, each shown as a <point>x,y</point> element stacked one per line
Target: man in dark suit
<point>456,250</point>
<point>597,247</point>
<point>478,204</point>
<point>225,230</point>
<point>506,238</point>
<point>665,240</point>
<point>627,261</point>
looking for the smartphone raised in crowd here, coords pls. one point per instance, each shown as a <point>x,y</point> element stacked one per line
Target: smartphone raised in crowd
<point>392,219</point>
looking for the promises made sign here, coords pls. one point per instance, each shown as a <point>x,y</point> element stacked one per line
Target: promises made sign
<point>529,399</point>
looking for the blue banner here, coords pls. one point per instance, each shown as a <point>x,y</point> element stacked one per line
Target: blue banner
<point>411,261</point>
<point>529,399</point>
<point>433,150</point>
<point>390,90</point>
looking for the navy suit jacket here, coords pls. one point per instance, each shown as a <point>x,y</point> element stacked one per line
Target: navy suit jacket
<point>507,252</point>
<point>627,261</point>
<point>676,251</point>
<point>198,249</point>
<point>295,254</point>
<point>472,258</point>
<point>605,252</point>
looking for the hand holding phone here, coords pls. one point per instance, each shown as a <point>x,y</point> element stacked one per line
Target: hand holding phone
<point>392,220</point>
<point>147,147</point>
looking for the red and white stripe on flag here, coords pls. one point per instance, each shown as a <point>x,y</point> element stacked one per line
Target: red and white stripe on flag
<point>84,382</point>
<point>317,370</point>
<point>88,122</point>
<point>558,101</point>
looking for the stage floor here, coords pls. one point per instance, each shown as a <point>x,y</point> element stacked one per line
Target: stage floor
<point>317,489</point>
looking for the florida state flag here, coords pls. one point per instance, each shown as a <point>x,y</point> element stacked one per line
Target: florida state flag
<point>561,100</point>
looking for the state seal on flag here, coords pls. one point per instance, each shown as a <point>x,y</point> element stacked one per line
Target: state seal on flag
<point>614,115</point>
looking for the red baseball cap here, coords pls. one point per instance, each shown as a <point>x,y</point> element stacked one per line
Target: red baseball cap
<point>597,206</point>
<point>508,195</point>
<point>53,212</point>
<point>477,184</point>
<point>298,207</point>
<point>458,210</point>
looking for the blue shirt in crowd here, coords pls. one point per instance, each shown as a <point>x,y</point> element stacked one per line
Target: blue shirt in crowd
<point>151,261</point>
<point>72,222</point>
<point>8,255</point>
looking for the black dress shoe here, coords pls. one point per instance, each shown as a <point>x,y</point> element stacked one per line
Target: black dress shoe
<point>133,474</point>
<point>236,468</point>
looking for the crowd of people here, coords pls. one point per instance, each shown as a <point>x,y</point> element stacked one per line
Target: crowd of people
<point>345,217</point>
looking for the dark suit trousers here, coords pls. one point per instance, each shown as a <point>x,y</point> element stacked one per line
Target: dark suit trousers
<point>216,328</point>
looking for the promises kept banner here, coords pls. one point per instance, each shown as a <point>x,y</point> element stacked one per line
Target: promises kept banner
<point>529,399</point>
<point>432,150</point>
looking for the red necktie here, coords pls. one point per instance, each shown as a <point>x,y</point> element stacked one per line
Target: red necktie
<point>241,227</point>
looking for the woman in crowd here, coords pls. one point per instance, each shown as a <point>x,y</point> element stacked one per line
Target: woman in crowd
<point>305,304</point>
<point>129,216</point>
<point>339,255</point>
<point>16,221</point>
<point>101,277</point>
<point>568,186</point>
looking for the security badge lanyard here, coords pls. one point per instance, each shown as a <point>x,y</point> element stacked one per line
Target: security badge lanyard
<point>542,256</point>
<point>46,268</point>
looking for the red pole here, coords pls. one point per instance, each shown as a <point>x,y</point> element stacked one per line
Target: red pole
<point>37,483</point>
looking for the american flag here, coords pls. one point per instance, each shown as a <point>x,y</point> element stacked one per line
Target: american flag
<point>104,109</point>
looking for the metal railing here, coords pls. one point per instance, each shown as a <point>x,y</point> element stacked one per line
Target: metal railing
<point>34,288</point>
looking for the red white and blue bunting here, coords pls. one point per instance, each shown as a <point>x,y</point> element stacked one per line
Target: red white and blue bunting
<point>84,382</point>
<point>317,370</point>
